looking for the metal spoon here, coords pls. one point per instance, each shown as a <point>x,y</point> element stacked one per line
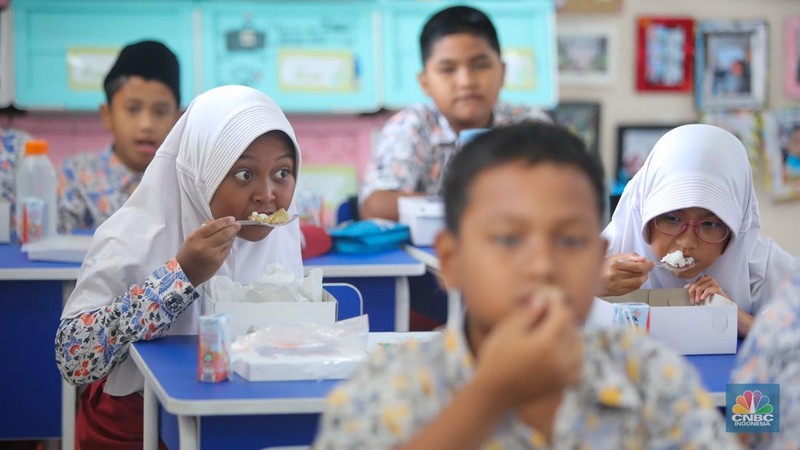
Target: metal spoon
<point>264,224</point>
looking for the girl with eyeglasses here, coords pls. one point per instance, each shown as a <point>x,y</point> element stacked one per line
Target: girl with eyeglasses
<point>695,194</point>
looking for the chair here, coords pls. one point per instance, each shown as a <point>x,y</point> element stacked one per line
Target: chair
<point>348,210</point>
<point>350,302</point>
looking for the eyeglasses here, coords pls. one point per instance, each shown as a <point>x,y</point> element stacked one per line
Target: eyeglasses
<point>708,230</point>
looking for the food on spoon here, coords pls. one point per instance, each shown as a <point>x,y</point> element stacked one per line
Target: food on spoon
<point>677,260</point>
<point>278,217</point>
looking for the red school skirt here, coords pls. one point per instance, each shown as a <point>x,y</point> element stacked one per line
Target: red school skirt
<point>109,422</point>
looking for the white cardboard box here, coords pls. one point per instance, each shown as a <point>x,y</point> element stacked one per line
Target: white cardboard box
<point>424,217</point>
<point>60,248</point>
<point>246,315</point>
<point>688,329</point>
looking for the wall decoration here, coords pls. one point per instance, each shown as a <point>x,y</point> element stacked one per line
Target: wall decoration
<point>665,54</point>
<point>583,119</point>
<point>731,64</point>
<point>634,143</point>
<point>589,6</point>
<point>782,145</point>
<point>586,54</point>
<point>791,45</point>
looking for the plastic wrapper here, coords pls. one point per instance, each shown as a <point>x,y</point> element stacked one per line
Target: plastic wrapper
<point>302,351</point>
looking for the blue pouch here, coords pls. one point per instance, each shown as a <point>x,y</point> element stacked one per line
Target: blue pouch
<point>368,236</point>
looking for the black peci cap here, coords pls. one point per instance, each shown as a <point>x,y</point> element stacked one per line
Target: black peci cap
<point>150,60</point>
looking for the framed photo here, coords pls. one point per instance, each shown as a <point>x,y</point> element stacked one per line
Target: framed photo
<point>634,143</point>
<point>782,145</point>
<point>745,125</point>
<point>586,54</point>
<point>583,119</point>
<point>731,64</point>
<point>588,6</point>
<point>791,44</point>
<point>665,54</point>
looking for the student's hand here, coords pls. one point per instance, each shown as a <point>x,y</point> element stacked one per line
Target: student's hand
<point>203,252</point>
<point>623,273</point>
<point>703,288</point>
<point>535,352</point>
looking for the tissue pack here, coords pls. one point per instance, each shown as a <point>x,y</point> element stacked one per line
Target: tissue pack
<point>214,348</point>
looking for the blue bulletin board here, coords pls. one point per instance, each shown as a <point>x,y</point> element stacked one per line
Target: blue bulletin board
<point>526,30</point>
<point>308,56</point>
<point>63,49</point>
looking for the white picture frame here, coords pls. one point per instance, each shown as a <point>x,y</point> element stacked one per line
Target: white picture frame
<point>587,53</point>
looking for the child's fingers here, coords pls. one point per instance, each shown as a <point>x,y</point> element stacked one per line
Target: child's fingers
<point>209,228</point>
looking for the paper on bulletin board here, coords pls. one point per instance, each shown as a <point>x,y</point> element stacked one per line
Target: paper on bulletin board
<point>316,71</point>
<point>333,183</point>
<point>88,66</point>
<point>520,69</point>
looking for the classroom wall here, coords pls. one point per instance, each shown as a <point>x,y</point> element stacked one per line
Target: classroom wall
<point>622,104</point>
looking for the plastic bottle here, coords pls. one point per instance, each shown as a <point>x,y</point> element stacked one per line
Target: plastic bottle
<point>36,207</point>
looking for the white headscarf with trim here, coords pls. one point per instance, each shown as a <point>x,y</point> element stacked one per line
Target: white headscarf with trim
<point>702,166</point>
<point>172,201</point>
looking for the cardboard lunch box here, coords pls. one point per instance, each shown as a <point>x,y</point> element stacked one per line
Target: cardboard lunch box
<point>424,217</point>
<point>249,316</point>
<point>702,329</point>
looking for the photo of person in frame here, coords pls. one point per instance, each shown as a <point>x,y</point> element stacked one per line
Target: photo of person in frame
<point>729,64</point>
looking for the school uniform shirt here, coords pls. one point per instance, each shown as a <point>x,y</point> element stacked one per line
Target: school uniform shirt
<point>771,354</point>
<point>416,143</point>
<point>12,148</point>
<point>634,394</point>
<point>93,186</point>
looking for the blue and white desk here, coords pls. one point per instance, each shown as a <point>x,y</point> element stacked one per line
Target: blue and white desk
<point>234,413</point>
<point>32,294</point>
<point>375,275</point>
<point>425,255</point>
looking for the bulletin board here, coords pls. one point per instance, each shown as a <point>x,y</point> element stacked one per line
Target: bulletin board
<point>526,30</point>
<point>308,56</point>
<point>63,49</point>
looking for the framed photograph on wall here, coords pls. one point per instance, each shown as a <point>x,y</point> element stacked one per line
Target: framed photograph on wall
<point>791,45</point>
<point>665,54</point>
<point>745,125</point>
<point>782,145</point>
<point>589,6</point>
<point>583,119</point>
<point>731,58</point>
<point>634,143</point>
<point>586,54</point>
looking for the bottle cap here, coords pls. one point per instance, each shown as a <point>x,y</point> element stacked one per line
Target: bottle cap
<point>36,148</point>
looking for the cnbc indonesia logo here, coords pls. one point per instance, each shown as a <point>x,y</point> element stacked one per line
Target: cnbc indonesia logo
<point>753,410</point>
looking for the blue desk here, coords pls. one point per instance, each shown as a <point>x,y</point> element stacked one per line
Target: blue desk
<point>381,277</point>
<point>715,370</point>
<point>231,414</point>
<point>40,405</point>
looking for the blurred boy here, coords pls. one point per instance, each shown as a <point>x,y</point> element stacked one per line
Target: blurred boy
<point>142,99</point>
<point>524,207</point>
<point>462,73</point>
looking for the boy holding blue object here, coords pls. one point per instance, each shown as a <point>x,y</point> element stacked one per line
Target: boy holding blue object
<point>524,207</point>
<point>142,99</point>
<point>462,73</point>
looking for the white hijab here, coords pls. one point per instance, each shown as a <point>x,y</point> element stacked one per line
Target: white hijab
<point>705,167</point>
<point>172,201</point>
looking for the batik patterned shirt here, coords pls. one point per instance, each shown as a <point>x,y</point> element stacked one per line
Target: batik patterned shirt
<point>771,354</point>
<point>12,147</point>
<point>92,187</point>
<point>416,143</point>
<point>89,346</point>
<point>634,394</point>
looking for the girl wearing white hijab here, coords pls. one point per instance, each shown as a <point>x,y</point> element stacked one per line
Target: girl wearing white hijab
<point>697,184</point>
<point>232,152</point>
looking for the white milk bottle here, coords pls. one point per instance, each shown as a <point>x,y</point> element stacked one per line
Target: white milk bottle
<point>36,207</point>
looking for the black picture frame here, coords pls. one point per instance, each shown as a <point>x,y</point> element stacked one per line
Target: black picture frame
<point>634,144</point>
<point>583,119</point>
